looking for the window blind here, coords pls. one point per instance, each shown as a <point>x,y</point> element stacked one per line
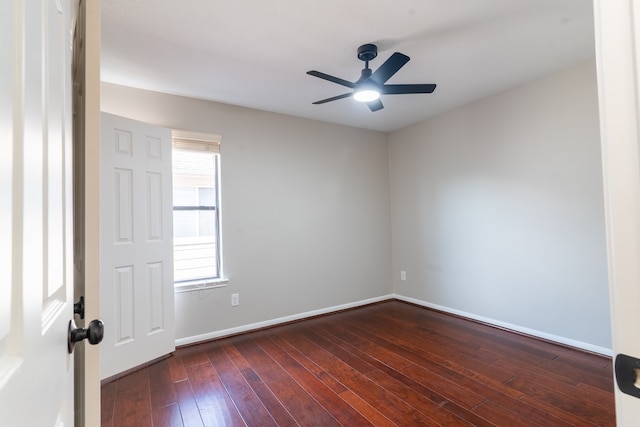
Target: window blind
<point>196,141</point>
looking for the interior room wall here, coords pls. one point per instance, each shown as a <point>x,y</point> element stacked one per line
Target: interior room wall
<point>497,210</point>
<point>305,211</point>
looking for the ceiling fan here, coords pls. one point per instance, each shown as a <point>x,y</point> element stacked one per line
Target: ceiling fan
<point>371,85</point>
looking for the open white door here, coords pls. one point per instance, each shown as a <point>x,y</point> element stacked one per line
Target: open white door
<point>137,244</point>
<point>36,271</point>
<point>617,43</point>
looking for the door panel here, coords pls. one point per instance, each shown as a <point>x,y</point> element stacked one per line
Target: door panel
<point>137,244</point>
<point>7,40</point>
<point>36,269</point>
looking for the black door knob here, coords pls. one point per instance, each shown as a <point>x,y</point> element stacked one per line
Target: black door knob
<point>78,308</point>
<point>94,333</point>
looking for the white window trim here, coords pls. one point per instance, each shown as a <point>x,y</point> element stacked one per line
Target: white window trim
<point>198,285</point>
<point>194,140</point>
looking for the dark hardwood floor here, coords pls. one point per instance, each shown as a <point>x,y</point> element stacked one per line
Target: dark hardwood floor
<point>386,364</point>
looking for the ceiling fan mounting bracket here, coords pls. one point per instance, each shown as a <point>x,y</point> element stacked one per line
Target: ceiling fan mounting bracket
<point>367,52</point>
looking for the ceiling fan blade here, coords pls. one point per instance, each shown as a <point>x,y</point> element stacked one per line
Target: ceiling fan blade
<point>402,89</point>
<point>375,105</point>
<point>389,68</point>
<point>331,78</point>
<point>335,98</point>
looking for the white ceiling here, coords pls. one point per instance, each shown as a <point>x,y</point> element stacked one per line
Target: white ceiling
<point>255,53</point>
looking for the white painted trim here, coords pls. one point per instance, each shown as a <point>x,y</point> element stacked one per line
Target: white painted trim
<point>196,136</point>
<point>535,333</point>
<point>199,285</point>
<point>273,322</point>
<point>281,320</point>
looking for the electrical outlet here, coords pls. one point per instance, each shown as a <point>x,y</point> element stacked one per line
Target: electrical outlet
<point>235,299</point>
<point>403,275</point>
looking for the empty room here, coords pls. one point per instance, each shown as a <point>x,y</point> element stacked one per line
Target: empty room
<point>326,213</point>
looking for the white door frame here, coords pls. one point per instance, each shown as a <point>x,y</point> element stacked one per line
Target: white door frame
<point>92,207</point>
<point>617,24</point>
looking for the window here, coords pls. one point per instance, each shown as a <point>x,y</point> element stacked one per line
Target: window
<point>196,210</point>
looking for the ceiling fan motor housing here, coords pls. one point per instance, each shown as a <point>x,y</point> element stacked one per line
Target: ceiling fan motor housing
<point>367,52</point>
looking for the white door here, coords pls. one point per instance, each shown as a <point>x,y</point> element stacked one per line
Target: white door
<point>617,43</point>
<point>36,270</point>
<point>137,243</point>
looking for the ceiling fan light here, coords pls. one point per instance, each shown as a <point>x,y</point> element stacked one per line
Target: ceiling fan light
<point>366,95</point>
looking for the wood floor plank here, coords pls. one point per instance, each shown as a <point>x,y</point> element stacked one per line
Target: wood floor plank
<point>469,367</point>
<point>515,368</point>
<point>469,416</point>
<point>132,407</point>
<point>374,416</point>
<point>376,345</point>
<point>302,407</point>
<point>585,373</point>
<point>418,401</point>
<point>363,348</point>
<point>586,393</point>
<point>478,334</point>
<point>193,355</point>
<point>484,337</point>
<point>416,354</point>
<point>167,416</point>
<point>421,391</point>
<point>446,387</point>
<point>187,403</point>
<point>589,359</point>
<point>300,404</point>
<point>138,379</point>
<point>445,373</point>
<point>161,385</point>
<point>595,396</point>
<point>214,404</point>
<point>278,412</point>
<point>437,345</point>
<point>107,403</point>
<point>176,368</point>
<point>417,395</point>
<point>386,364</point>
<point>340,410</point>
<point>338,351</point>
<point>333,384</point>
<point>247,402</point>
<point>561,402</point>
<point>501,416</point>
<point>394,409</point>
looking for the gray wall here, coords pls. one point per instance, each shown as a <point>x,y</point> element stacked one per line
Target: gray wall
<point>494,210</point>
<point>497,210</point>
<point>305,210</point>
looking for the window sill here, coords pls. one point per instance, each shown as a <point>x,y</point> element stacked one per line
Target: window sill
<point>198,285</point>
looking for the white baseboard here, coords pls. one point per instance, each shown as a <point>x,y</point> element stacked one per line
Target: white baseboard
<point>277,321</point>
<point>550,337</point>
<point>280,320</point>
